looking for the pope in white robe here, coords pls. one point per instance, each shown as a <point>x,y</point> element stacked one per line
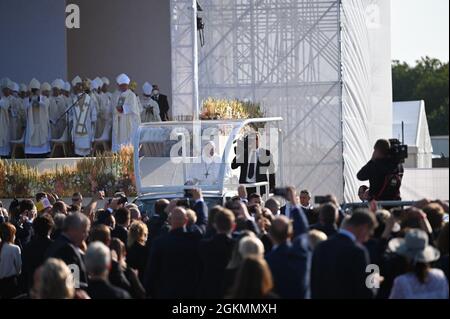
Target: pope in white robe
<point>37,133</point>
<point>82,119</point>
<point>150,107</point>
<point>127,117</point>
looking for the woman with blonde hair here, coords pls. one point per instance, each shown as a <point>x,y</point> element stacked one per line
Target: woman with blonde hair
<point>137,250</point>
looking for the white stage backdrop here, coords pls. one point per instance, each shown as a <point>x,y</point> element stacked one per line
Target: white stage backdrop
<point>324,66</point>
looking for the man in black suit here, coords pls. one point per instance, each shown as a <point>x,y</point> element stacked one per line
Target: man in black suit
<point>288,261</point>
<point>122,216</point>
<point>33,254</point>
<point>98,263</point>
<point>66,247</point>
<point>295,212</point>
<point>256,164</point>
<point>162,101</point>
<point>338,269</point>
<point>328,217</point>
<point>215,254</point>
<point>173,267</point>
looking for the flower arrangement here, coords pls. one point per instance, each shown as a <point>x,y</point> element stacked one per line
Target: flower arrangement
<point>107,171</point>
<point>222,109</point>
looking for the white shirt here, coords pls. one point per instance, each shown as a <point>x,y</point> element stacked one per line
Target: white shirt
<point>10,261</point>
<point>407,286</point>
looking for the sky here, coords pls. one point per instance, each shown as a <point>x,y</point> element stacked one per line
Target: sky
<point>420,28</point>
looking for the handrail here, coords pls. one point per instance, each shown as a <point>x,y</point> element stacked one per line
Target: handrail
<point>380,204</point>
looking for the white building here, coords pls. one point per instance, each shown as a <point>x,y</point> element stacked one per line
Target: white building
<point>416,133</point>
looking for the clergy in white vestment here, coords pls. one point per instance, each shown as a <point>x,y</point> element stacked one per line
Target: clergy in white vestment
<point>5,104</point>
<point>150,107</point>
<point>37,133</point>
<point>104,118</point>
<point>127,116</point>
<point>58,105</point>
<point>82,119</point>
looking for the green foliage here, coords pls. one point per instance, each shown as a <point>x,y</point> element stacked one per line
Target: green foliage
<point>428,81</point>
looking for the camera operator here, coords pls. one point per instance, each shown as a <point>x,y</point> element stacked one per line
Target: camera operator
<point>384,173</point>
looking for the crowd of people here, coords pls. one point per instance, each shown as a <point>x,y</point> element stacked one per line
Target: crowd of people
<point>39,114</point>
<point>247,248</point>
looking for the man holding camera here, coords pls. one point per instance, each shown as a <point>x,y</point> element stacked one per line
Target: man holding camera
<point>384,173</point>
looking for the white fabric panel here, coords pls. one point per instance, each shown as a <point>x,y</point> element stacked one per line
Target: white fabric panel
<point>366,84</point>
<point>425,183</point>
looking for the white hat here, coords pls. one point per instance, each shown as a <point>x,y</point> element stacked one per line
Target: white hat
<point>147,88</point>
<point>10,85</point>
<point>34,84</point>
<point>4,82</point>
<point>123,79</point>
<point>23,88</point>
<point>105,80</point>
<point>15,87</point>
<point>414,246</point>
<point>98,82</point>
<point>58,83</point>
<point>67,86</point>
<point>77,80</point>
<point>46,86</point>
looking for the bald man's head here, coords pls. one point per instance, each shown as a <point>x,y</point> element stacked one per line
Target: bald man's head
<point>281,229</point>
<point>178,218</point>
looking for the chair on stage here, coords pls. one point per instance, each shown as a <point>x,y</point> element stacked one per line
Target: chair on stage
<point>18,144</point>
<point>104,140</point>
<point>62,142</point>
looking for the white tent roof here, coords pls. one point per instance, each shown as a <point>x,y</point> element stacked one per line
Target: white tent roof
<point>412,114</point>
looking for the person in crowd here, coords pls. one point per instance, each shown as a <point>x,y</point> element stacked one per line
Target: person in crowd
<point>254,199</point>
<point>328,216</point>
<point>122,216</point>
<point>421,281</point>
<point>135,214</point>
<point>67,246</point>
<point>158,224</point>
<point>58,220</point>
<point>338,268</point>
<point>173,266</point>
<point>274,205</point>
<point>315,237</point>
<point>243,219</point>
<point>127,114</point>
<point>363,193</point>
<point>23,221</point>
<point>305,200</point>
<point>442,245</point>
<point>59,208</point>
<point>253,280</point>
<point>98,263</point>
<point>264,224</point>
<point>119,255</point>
<point>137,252</point>
<point>151,112</point>
<point>293,211</point>
<point>215,254</point>
<point>53,281</point>
<point>33,254</point>
<point>10,262</point>
<point>435,215</point>
<point>288,261</point>
<point>162,101</point>
<point>37,134</point>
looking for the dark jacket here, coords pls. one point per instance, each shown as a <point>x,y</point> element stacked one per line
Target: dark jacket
<point>377,172</point>
<point>299,221</point>
<point>163,104</point>
<point>63,249</point>
<point>137,258</point>
<point>33,256</point>
<point>329,230</point>
<point>201,210</point>
<point>121,233</point>
<point>215,253</point>
<point>289,266</point>
<point>338,270</point>
<point>101,289</point>
<point>173,266</point>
